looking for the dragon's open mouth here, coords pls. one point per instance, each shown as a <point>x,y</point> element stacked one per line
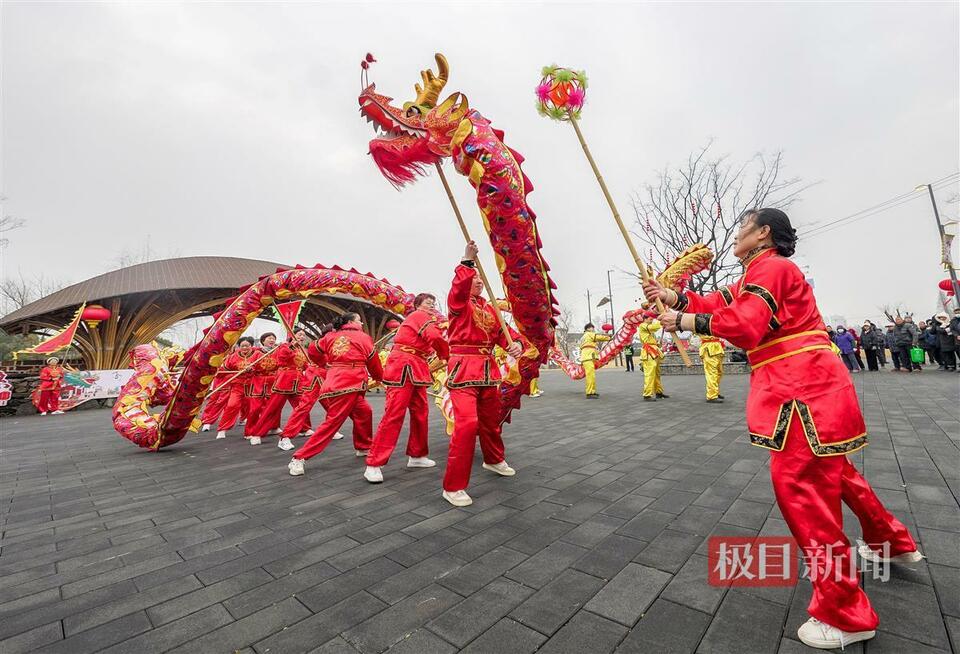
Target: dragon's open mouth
<point>388,121</point>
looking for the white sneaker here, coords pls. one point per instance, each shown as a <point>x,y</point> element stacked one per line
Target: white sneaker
<point>457,498</point>
<point>273,432</point>
<point>285,444</point>
<point>420,462</point>
<point>537,394</point>
<point>867,553</point>
<point>501,469</point>
<point>205,428</point>
<point>822,636</point>
<point>221,434</point>
<point>43,413</point>
<point>309,432</point>
<point>337,436</point>
<point>243,422</point>
<point>57,413</point>
<point>373,474</point>
<point>362,452</point>
<point>254,440</point>
<point>295,467</point>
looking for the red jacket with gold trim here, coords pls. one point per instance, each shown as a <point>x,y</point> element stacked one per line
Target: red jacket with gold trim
<point>472,333</point>
<point>417,339</point>
<point>772,314</point>
<point>236,362</point>
<point>315,372</point>
<point>51,377</point>
<point>264,374</point>
<point>290,364</point>
<point>350,359</point>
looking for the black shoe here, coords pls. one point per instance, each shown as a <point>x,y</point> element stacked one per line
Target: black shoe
<point>662,396</point>
<point>720,396</point>
<point>716,400</point>
<point>593,396</point>
<point>649,398</point>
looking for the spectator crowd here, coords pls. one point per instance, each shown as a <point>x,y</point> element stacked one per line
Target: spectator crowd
<point>911,345</point>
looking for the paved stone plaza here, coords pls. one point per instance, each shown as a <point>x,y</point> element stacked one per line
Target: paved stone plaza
<point>598,543</point>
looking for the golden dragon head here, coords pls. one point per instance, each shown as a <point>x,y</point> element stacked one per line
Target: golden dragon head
<point>419,133</point>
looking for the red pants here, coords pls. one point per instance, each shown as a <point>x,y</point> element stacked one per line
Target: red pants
<point>216,403</point>
<point>254,411</point>
<point>339,408</point>
<point>299,420</point>
<point>48,401</point>
<point>270,414</point>
<point>399,399</point>
<point>236,400</point>
<point>809,490</point>
<point>476,410</point>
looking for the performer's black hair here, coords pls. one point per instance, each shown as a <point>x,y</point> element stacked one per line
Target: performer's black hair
<point>343,319</point>
<point>325,328</point>
<point>248,339</point>
<point>263,337</point>
<point>783,234</point>
<point>589,325</point>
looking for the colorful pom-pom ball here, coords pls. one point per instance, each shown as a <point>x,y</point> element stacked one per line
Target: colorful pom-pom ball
<point>561,93</point>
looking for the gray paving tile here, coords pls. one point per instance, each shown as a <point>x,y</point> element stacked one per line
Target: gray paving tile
<point>382,631</point>
<point>625,597</point>
<point>666,628</point>
<point>506,637</point>
<point>467,620</point>
<point>551,606</point>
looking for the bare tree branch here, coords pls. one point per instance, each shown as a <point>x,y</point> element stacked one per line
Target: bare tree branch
<point>701,202</point>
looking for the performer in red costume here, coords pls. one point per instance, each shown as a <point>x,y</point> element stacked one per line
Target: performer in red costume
<point>473,377</point>
<point>803,407</point>
<point>350,358</point>
<point>406,378</point>
<point>47,395</point>
<point>291,361</point>
<point>261,383</point>
<point>217,400</point>
<point>241,386</point>
<point>313,375</point>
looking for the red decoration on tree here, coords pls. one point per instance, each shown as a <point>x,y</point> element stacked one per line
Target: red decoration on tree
<point>607,327</point>
<point>947,286</point>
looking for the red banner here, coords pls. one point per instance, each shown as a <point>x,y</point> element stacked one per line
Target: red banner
<point>290,312</point>
<point>59,341</point>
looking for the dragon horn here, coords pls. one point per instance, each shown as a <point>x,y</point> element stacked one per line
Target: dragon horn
<point>432,84</point>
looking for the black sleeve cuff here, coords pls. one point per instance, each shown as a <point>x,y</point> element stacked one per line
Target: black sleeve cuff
<point>469,263</point>
<point>682,302</point>
<point>701,323</point>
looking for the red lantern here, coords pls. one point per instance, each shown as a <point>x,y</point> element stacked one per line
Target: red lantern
<point>607,327</point>
<point>393,325</point>
<point>93,314</point>
<point>946,285</point>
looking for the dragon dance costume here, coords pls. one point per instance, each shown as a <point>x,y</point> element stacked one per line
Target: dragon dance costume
<point>472,377</point>
<point>650,357</point>
<point>803,407</point>
<point>47,396</point>
<point>285,389</point>
<point>406,378</point>
<point>349,356</point>
<point>310,383</point>
<point>711,353</point>
<point>588,358</point>
<point>240,389</point>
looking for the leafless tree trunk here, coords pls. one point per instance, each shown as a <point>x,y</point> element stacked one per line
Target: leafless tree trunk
<point>701,202</point>
<point>564,323</point>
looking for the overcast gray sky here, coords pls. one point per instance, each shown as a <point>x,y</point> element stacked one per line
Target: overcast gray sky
<point>232,129</point>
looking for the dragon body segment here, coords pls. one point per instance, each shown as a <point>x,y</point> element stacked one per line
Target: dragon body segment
<point>422,133</point>
<point>151,385</point>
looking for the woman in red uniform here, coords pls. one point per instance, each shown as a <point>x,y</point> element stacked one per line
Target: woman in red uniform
<point>240,389</point>
<point>313,375</point>
<point>47,397</point>
<point>291,361</point>
<point>217,400</point>
<point>350,358</point>
<point>406,378</point>
<point>803,407</point>
<point>473,378</point>
<point>260,386</point>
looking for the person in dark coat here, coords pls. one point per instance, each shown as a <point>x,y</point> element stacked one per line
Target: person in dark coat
<point>948,341</point>
<point>905,336</point>
<point>845,342</point>
<point>929,342</point>
<point>872,343</point>
<point>890,339</point>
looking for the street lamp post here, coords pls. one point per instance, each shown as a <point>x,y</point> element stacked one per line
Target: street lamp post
<point>589,308</point>
<point>936,216</point>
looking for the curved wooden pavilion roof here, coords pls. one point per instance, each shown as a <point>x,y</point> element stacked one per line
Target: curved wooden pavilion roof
<point>147,298</point>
